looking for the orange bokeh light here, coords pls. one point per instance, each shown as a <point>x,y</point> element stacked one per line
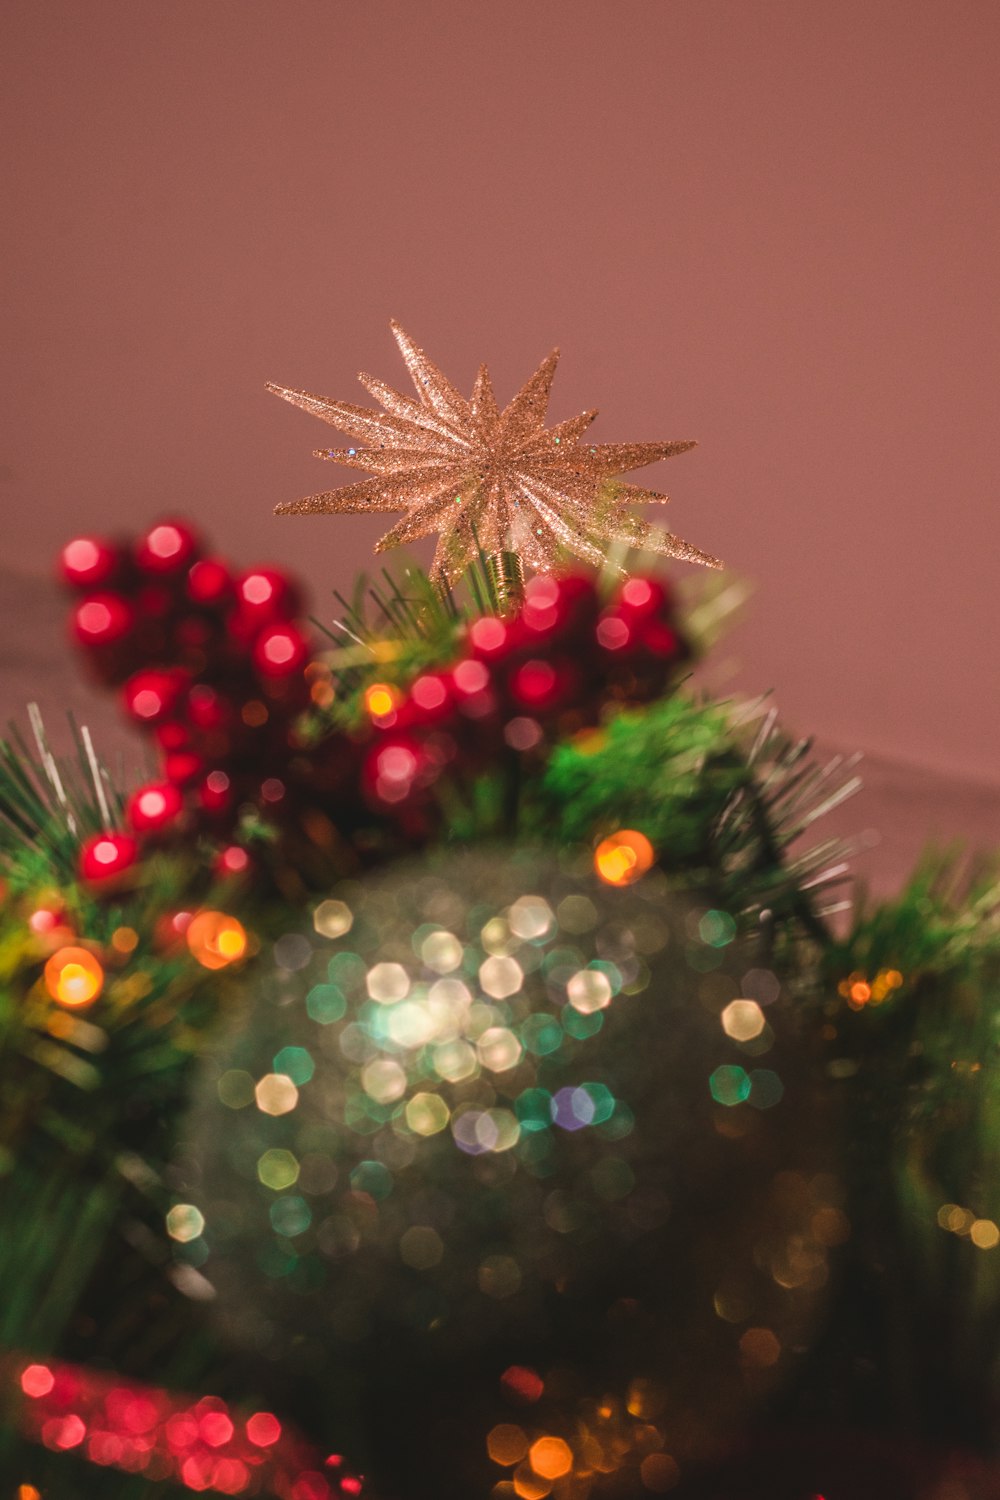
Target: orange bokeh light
<point>381,700</point>
<point>760,1347</point>
<point>216,939</point>
<point>551,1457</point>
<point>74,977</point>
<point>624,857</point>
<point>506,1444</point>
<point>530,1486</point>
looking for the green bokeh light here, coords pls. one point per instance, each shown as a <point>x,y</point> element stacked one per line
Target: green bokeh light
<point>729,1084</point>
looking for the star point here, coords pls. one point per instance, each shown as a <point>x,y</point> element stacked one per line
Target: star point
<point>486,479</point>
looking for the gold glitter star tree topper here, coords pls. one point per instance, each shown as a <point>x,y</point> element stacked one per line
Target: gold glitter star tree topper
<point>487,481</point>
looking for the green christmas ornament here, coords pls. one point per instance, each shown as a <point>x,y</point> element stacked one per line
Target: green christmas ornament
<point>509,1177</point>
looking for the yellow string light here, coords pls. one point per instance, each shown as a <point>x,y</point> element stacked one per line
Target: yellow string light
<point>381,700</point>
<point>74,977</point>
<point>216,939</point>
<point>624,857</point>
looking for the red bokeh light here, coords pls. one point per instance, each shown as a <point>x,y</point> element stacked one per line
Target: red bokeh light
<point>37,1380</point>
<point>521,1382</point>
<point>263,1429</point>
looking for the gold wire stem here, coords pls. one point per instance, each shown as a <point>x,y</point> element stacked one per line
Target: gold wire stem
<point>506,574</point>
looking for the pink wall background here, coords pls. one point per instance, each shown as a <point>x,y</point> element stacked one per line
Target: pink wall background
<point>768,224</point>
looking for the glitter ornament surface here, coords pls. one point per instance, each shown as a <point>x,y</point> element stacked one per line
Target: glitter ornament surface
<point>521,1137</point>
<point>486,478</point>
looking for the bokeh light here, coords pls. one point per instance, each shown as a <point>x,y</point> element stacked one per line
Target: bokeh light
<point>551,1457</point>
<point>442,952</point>
<point>332,919</point>
<point>624,857</point>
<point>185,1222</point>
<point>760,1347</point>
<point>589,990</point>
<point>500,977</point>
<point>660,1473</point>
<point>263,1429</point>
<point>236,1088</point>
<point>388,982</point>
<point>278,1169</point>
<point>499,1049</point>
<point>507,1444</point>
<point>216,939</point>
<point>729,1084</point>
<point>743,1020</point>
<point>37,1380</point>
<point>530,918</point>
<point>984,1234</point>
<point>296,1063</point>
<point>381,701</point>
<point>426,1114</point>
<point>74,978</point>
<point>276,1094</point>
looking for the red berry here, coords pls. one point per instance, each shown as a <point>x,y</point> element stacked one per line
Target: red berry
<point>172,736</point>
<point>209,709</point>
<point>47,919</point>
<point>107,856</point>
<point>539,612</point>
<point>280,651</point>
<point>102,620</point>
<point>216,792</point>
<point>154,601</point>
<point>192,632</point>
<point>265,596</point>
<point>210,584</point>
<point>659,639</point>
<point>536,684</point>
<point>88,562</point>
<point>182,767</point>
<point>616,631</point>
<point>394,767</point>
<point>643,597</point>
<point>522,733</point>
<point>168,549</point>
<point>231,861</point>
<point>168,934</point>
<point>156,808</point>
<point>241,631</point>
<point>472,689</point>
<point>153,695</point>
<point>470,678</point>
<point>272,791</point>
<point>429,701</point>
<point>557,604</point>
<point>490,638</point>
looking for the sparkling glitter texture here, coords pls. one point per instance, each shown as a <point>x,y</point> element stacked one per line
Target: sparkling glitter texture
<point>482,478</point>
<point>505,1133</point>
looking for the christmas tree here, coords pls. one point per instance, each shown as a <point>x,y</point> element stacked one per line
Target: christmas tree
<point>443,1076</point>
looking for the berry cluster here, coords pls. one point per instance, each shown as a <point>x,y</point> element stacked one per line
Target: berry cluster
<point>210,663</point>
<point>216,668</point>
<point>201,1443</point>
<point>550,671</point>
